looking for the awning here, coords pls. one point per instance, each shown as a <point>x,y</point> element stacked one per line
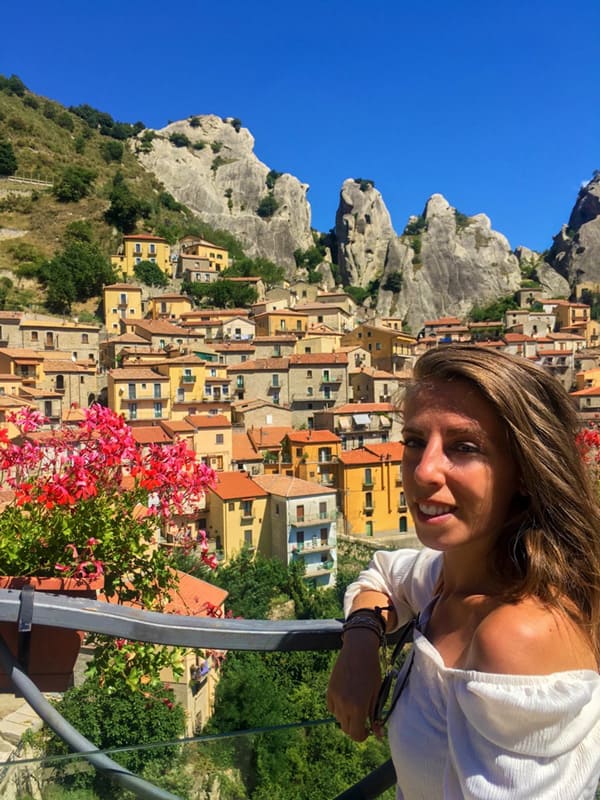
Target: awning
<point>384,421</point>
<point>345,423</point>
<point>362,419</point>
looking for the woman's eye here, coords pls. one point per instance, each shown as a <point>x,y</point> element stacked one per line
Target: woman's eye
<point>467,447</point>
<point>411,442</point>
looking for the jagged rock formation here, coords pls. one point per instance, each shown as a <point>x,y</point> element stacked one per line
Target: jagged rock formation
<point>575,252</point>
<point>553,284</point>
<point>219,177</point>
<point>443,264</point>
<point>363,229</point>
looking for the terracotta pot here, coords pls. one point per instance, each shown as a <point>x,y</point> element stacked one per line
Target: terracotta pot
<point>52,651</point>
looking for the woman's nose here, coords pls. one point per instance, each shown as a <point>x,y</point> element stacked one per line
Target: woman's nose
<point>431,465</point>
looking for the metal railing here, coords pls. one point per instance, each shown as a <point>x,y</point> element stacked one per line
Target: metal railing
<point>94,616</point>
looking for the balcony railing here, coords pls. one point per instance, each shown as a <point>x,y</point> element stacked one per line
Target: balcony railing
<point>188,379</point>
<point>94,616</point>
<point>314,519</point>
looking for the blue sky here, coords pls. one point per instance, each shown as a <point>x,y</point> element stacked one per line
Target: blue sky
<point>494,105</point>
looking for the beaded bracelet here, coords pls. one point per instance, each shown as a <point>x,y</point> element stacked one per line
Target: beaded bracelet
<point>369,619</point>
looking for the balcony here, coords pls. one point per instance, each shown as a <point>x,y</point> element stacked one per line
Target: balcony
<point>188,379</point>
<point>368,510</point>
<point>332,378</point>
<point>314,519</point>
<point>93,616</point>
<point>247,519</point>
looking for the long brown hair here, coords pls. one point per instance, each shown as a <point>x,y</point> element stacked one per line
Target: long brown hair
<point>550,547</point>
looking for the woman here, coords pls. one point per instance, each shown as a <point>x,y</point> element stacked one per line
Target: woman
<point>503,696</point>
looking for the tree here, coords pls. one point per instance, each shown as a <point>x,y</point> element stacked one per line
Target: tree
<point>222,293</point>
<point>493,311</point>
<point>75,274</point>
<point>125,208</point>
<point>8,160</point>
<point>111,151</point>
<point>150,273</point>
<point>271,274</point>
<point>267,206</point>
<point>74,184</point>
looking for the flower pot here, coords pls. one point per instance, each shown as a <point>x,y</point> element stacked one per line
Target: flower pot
<point>52,651</point>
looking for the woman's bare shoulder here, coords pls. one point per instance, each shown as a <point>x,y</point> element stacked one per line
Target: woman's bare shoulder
<point>529,638</point>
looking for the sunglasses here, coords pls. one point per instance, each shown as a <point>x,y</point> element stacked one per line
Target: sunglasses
<point>396,676</point>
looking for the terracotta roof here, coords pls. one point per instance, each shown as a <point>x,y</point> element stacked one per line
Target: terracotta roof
<point>291,487</point>
<point>550,352</point>
<point>209,420</point>
<point>236,486</point>
<point>312,437</point>
<point>237,346</point>
<point>268,364</point>
<point>567,337</point>
<point>128,286</point>
<point>364,408</point>
<point>514,338</point>
<point>136,374</point>
<point>339,359</point>
<point>147,237</point>
<point>270,436</point>
<point>56,365</point>
<point>373,372</point>
<point>391,451</point>
<point>130,338</point>
<point>242,448</point>
<point>276,338</point>
<point>174,426</point>
<point>373,454</point>
<point>442,321</point>
<point>150,434</point>
<point>158,326</point>
<point>590,391</point>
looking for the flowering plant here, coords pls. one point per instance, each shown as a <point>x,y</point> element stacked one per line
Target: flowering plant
<point>87,502</point>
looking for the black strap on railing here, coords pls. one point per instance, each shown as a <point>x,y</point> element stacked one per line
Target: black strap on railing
<point>373,785</point>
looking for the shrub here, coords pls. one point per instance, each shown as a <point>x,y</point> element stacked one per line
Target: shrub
<point>12,85</point>
<point>236,124</point>
<point>199,145</point>
<point>8,160</point>
<point>150,274</point>
<point>415,226</point>
<point>272,177</point>
<point>111,151</point>
<point>216,146</point>
<point>79,144</point>
<point>393,282</point>
<point>179,139</point>
<point>462,220</point>
<point>168,201</point>
<point>74,184</point>
<point>364,184</point>
<point>267,206</point>
<point>113,716</point>
<point>30,101</point>
<point>195,122</point>
<point>65,120</point>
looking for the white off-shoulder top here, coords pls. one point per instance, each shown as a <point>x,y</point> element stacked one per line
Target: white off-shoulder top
<point>467,735</point>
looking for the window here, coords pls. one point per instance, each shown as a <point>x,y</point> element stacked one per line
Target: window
<point>323,536</point>
<point>34,336</point>
<point>162,344</point>
<point>138,247</point>
<point>282,324</point>
<point>308,349</point>
<point>180,395</point>
<point>123,300</point>
<point>369,528</point>
<point>133,411</point>
<point>325,375</point>
<point>231,506</point>
<point>368,477</point>
<point>276,398</point>
<point>275,380</point>
<point>322,510</point>
<point>298,325</point>
<point>368,500</point>
<point>47,407</point>
<point>152,248</point>
<point>300,513</point>
<point>85,338</point>
<point>213,372</point>
<point>246,508</point>
<point>277,350</point>
<point>157,410</point>
<point>402,525</point>
<point>248,538</point>
<point>300,540</point>
<point>219,439</point>
<point>309,373</point>
<point>277,509</point>
<point>319,319</point>
<point>299,452</point>
<point>157,390</point>
<point>309,391</point>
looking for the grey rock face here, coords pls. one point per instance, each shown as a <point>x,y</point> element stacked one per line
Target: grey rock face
<point>575,252</point>
<point>224,183</point>
<point>553,284</point>
<point>364,230</point>
<point>445,264</point>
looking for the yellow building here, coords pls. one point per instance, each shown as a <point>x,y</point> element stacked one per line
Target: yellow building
<point>212,440</point>
<point>169,306</point>
<point>140,247</point>
<point>217,256</point>
<point>236,511</point>
<point>312,455</point>
<point>389,349</point>
<point>270,323</point>
<point>121,301</point>
<point>372,493</point>
<point>186,375</point>
<point>139,393</point>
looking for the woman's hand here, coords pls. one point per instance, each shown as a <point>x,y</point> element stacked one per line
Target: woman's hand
<point>354,684</point>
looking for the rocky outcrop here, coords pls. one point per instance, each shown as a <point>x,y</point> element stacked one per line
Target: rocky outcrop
<point>575,252</point>
<point>218,176</point>
<point>443,264</point>
<point>363,229</point>
<point>532,265</point>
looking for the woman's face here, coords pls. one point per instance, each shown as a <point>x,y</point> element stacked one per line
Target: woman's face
<point>459,476</point>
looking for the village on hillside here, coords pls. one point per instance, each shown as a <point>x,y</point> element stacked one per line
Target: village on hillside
<point>293,401</point>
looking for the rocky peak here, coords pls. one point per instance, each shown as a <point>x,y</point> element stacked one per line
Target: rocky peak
<point>215,172</point>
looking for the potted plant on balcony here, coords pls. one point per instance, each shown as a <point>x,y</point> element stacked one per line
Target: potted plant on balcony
<point>83,506</point>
